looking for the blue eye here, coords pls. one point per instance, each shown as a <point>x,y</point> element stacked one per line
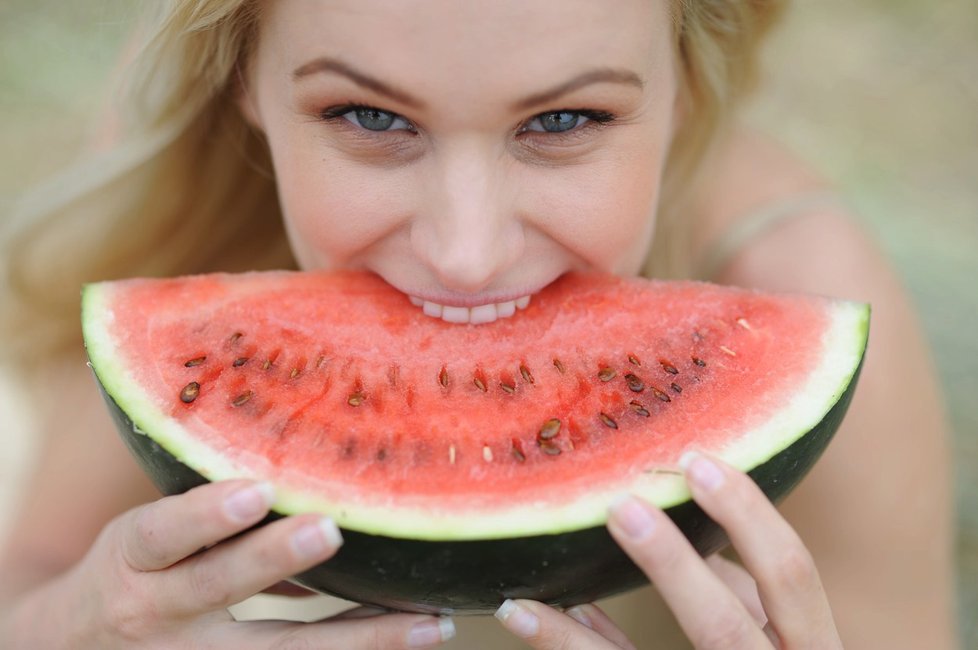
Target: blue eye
<point>556,121</point>
<point>369,118</point>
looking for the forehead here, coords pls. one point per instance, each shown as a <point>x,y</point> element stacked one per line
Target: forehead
<point>471,42</point>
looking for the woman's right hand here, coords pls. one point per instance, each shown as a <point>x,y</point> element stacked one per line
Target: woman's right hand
<point>145,583</point>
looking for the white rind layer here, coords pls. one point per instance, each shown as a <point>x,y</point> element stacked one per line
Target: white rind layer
<point>843,345</point>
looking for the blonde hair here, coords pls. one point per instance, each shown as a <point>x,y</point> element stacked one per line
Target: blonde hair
<point>188,187</point>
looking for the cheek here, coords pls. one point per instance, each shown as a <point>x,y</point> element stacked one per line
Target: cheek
<point>334,210</point>
<point>604,212</point>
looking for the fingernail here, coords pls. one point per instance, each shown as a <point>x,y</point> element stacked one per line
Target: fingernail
<point>701,471</point>
<point>315,539</point>
<point>632,517</point>
<point>427,634</point>
<point>518,619</point>
<point>577,613</point>
<point>249,503</point>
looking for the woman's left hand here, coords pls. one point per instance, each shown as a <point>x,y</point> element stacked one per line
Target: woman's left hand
<point>777,602</point>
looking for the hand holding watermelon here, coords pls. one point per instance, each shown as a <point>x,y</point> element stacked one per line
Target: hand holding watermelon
<point>717,603</point>
<point>146,584</point>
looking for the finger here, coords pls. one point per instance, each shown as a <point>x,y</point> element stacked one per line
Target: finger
<point>387,632</point>
<point>160,534</point>
<point>544,628</point>
<point>787,581</point>
<point>594,617</point>
<point>741,583</point>
<point>237,569</point>
<point>708,612</point>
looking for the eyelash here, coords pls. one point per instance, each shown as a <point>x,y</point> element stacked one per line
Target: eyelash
<point>595,119</point>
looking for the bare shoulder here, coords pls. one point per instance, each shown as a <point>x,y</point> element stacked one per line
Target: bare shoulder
<point>817,246</point>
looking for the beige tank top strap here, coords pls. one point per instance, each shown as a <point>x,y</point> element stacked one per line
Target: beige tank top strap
<point>753,224</point>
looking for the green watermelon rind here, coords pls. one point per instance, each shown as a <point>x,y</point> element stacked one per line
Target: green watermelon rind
<point>844,345</point>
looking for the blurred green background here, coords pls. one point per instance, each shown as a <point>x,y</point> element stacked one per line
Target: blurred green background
<point>881,95</point>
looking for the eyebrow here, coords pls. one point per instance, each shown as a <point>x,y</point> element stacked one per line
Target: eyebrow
<point>600,75</point>
<point>326,64</point>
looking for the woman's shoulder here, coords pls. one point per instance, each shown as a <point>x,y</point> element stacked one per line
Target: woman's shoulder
<point>766,218</point>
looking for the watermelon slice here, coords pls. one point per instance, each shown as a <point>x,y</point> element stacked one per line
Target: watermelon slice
<point>470,463</point>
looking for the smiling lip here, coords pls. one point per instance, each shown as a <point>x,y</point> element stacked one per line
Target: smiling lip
<point>474,308</point>
<point>469,301</point>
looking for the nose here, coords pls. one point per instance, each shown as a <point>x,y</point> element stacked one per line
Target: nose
<point>467,229</point>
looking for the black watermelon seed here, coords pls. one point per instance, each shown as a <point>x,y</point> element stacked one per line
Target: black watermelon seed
<point>235,337</point>
<point>559,366</point>
<point>518,452</point>
<point>243,398</point>
<point>662,396</point>
<point>190,392</point>
<point>195,362</point>
<point>632,359</point>
<point>638,408</point>
<point>550,429</point>
<point>549,447</point>
<point>240,361</point>
<point>668,367</point>
<point>699,362</point>
<point>608,420</point>
<point>525,372</point>
<point>606,374</point>
<point>676,387</point>
<point>635,384</point>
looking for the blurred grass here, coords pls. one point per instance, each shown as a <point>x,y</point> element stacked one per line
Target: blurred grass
<point>881,95</point>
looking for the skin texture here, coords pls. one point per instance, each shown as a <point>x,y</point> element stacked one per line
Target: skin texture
<point>468,207</point>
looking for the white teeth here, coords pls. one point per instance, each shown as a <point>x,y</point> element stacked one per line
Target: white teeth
<point>506,309</point>
<point>474,315</point>
<point>455,314</point>
<point>483,314</point>
<point>432,309</point>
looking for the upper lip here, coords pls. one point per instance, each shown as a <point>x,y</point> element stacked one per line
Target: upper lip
<point>447,299</point>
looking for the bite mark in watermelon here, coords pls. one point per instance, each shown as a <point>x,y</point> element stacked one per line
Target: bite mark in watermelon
<point>470,463</point>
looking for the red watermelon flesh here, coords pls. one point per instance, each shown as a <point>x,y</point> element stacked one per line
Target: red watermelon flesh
<point>352,402</point>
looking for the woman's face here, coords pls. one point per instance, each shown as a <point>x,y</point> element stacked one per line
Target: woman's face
<point>468,152</point>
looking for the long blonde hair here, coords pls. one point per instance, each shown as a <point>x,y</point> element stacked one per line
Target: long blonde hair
<point>188,186</point>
